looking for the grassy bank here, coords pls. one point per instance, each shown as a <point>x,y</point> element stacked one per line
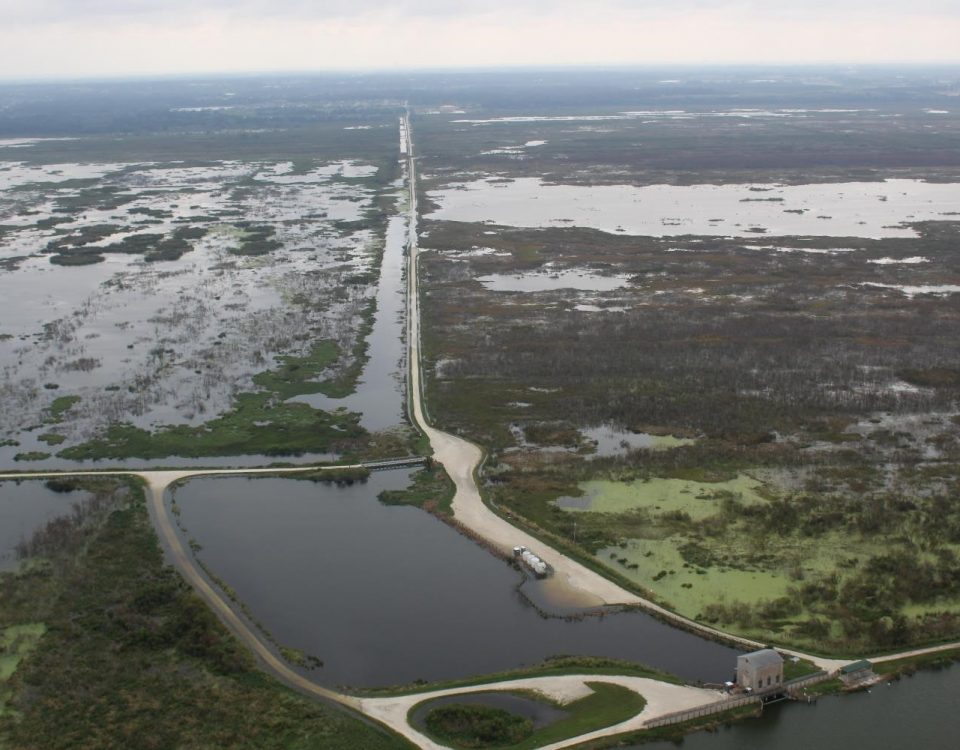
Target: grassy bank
<point>131,657</point>
<point>607,705</point>
<point>430,489</point>
<point>553,667</point>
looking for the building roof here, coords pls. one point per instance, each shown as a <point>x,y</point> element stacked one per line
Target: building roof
<point>764,658</point>
<point>856,666</point>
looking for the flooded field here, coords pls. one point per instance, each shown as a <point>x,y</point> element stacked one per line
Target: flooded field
<point>855,209</point>
<point>550,280</point>
<point>389,594</point>
<point>378,396</point>
<point>152,295</point>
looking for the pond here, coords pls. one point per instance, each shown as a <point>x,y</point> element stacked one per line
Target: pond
<point>850,209</point>
<point>389,594</point>
<point>539,712</point>
<point>579,280</point>
<point>612,441</point>
<point>378,396</point>
<point>24,508</point>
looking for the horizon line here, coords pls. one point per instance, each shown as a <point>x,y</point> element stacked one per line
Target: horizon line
<point>504,68</point>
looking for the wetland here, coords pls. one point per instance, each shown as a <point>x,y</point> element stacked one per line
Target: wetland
<point>748,413</point>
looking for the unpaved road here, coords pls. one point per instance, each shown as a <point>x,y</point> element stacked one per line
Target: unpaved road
<point>662,698</point>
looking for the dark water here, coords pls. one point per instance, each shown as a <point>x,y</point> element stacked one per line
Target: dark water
<point>538,712</point>
<point>378,395</point>
<point>915,713</point>
<point>386,595</point>
<point>25,507</point>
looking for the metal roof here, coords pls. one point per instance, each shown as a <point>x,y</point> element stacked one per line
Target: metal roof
<point>764,658</point>
<point>856,666</point>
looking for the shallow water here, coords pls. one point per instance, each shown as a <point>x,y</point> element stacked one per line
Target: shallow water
<point>612,441</point>
<point>542,282</point>
<point>389,594</point>
<point>911,291</point>
<point>852,209</point>
<point>24,508</point>
<point>379,392</point>
<point>172,342</point>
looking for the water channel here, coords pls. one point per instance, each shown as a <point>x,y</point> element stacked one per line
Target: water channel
<point>378,395</point>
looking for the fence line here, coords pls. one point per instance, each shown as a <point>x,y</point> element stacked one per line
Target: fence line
<point>676,717</point>
<point>695,713</point>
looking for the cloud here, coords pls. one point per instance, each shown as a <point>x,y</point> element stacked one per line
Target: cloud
<point>171,12</point>
<point>56,38</point>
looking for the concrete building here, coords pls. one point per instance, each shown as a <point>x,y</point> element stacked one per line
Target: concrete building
<point>760,670</point>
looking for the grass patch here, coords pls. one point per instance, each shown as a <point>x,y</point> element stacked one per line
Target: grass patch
<point>552,667</point>
<point>31,456</point>
<point>468,726</point>
<point>607,705</point>
<point>16,642</point>
<point>658,495</point>
<point>430,488</point>
<point>799,668</point>
<point>51,438</point>
<point>61,405</point>
<point>910,664</point>
<point>262,422</point>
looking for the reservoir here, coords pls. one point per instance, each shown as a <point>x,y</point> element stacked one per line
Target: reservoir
<point>385,595</point>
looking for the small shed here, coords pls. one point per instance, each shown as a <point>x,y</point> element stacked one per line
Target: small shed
<point>857,673</point>
<point>760,670</point>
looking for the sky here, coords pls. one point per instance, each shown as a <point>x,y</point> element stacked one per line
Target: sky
<point>82,38</point>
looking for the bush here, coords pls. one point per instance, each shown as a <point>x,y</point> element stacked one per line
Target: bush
<point>477,726</point>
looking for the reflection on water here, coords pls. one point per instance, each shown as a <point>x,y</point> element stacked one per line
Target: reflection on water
<point>550,281</point>
<point>389,594</point>
<point>24,508</point>
<point>378,393</point>
<point>917,713</point>
<point>611,441</point>
<point>850,209</point>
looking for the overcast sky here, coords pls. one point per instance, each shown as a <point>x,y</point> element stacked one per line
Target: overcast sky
<point>71,38</point>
